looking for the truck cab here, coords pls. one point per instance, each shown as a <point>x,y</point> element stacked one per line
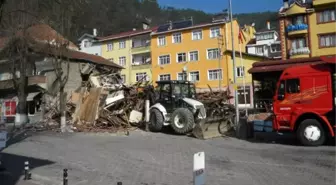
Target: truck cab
<point>304,102</point>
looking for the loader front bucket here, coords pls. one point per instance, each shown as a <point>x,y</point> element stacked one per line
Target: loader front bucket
<point>212,128</point>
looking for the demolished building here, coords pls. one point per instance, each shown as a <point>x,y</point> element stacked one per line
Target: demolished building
<point>42,81</point>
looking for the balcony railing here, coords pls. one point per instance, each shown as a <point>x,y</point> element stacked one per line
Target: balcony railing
<point>299,51</point>
<point>140,49</point>
<point>297,27</point>
<point>141,45</point>
<point>141,62</point>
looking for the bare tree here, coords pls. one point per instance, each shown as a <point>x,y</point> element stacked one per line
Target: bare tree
<point>63,11</point>
<point>17,22</point>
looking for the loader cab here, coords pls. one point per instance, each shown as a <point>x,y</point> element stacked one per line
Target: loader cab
<point>171,93</point>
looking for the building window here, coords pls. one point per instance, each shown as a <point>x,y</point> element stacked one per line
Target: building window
<point>265,36</point>
<point>293,86</point>
<point>194,76</point>
<point>177,38</point>
<point>326,16</point>
<point>181,57</point>
<point>214,32</point>
<point>213,54</point>
<point>299,43</point>
<point>161,40</point>
<point>141,77</point>
<point>240,71</point>
<point>87,44</point>
<point>164,77</point>
<point>122,61</point>
<point>242,95</point>
<point>275,48</point>
<point>328,40</point>
<point>193,55</point>
<point>197,35</point>
<point>109,47</point>
<point>122,44</point>
<point>298,20</point>
<point>181,76</point>
<point>123,78</point>
<point>164,59</point>
<point>215,74</point>
<point>260,49</point>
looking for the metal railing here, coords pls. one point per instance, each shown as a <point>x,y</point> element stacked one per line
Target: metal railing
<point>299,51</point>
<point>297,27</point>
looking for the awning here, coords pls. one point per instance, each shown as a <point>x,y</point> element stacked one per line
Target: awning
<point>280,65</point>
<point>31,96</point>
<point>277,68</point>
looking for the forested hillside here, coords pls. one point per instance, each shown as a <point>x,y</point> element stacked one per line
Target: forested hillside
<point>114,16</point>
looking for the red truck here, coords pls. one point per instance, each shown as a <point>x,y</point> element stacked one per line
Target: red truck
<point>305,101</point>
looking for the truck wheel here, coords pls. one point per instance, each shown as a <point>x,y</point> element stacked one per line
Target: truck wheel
<point>311,133</point>
<point>182,121</point>
<point>155,121</point>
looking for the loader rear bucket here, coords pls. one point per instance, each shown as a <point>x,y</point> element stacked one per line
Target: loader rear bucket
<point>212,128</point>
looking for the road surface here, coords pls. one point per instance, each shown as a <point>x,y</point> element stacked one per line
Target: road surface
<point>161,159</point>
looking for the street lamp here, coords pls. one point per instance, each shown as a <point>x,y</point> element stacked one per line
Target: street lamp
<point>234,66</point>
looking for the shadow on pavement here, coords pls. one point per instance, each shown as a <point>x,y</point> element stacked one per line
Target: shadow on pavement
<point>15,167</point>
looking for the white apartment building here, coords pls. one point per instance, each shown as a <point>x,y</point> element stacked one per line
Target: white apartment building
<point>266,43</point>
<point>89,44</point>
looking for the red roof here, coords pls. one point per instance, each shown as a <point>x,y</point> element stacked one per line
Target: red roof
<point>43,32</point>
<point>39,37</point>
<point>73,55</point>
<point>280,65</point>
<point>127,34</point>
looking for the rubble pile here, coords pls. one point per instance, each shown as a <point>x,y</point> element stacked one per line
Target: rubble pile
<point>102,104</point>
<point>216,103</point>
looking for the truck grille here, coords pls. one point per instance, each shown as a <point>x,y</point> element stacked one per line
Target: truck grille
<point>202,113</point>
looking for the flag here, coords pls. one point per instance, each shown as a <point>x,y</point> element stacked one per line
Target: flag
<point>240,36</point>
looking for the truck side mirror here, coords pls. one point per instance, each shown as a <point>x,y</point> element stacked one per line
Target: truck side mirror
<point>281,97</point>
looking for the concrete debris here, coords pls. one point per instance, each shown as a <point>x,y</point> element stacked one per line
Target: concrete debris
<point>105,105</point>
<point>135,116</point>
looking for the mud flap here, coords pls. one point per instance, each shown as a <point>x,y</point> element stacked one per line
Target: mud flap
<point>212,128</point>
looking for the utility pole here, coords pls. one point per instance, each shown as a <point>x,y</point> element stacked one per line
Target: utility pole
<point>234,66</point>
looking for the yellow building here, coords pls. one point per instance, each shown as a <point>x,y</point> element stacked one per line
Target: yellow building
<point>308,29</point>
<point>181,50</point>
<point>132,51</point>
<point>244,62</point>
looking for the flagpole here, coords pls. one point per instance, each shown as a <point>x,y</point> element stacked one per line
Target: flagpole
<point>241,64</point>
<point>234,67</point>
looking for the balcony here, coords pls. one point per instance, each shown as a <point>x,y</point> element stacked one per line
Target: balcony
<point>323,2</point>
<point>297,29</point>
<point>140,60</point>
<point>141,49</point>
<point>299,52</point>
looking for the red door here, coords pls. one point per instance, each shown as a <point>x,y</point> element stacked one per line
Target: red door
<point>287,100</point>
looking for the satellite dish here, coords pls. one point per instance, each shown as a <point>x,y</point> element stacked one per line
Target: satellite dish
<point>253,24</point>
<point>185,68</point>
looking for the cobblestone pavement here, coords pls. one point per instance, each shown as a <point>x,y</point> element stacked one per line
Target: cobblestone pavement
<point>160,159</point>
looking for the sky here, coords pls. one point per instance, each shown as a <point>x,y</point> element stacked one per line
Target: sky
<point>215,6</point>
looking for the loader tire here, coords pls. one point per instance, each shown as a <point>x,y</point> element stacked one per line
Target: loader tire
<point>155,121</point>
<point>182,121</point>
